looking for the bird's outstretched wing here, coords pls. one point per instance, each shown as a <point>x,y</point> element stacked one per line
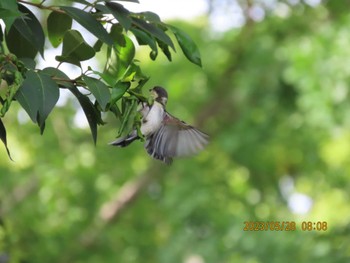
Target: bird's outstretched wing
<point>175,138</point>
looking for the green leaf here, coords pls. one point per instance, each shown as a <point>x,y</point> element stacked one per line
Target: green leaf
<point>154,31</point>
<point>25,38</point>
<point>69,60</point>
<point>6,13</point>
<point>99,90</point>
<point>92,115</point>
<point>150,16</point>
<point>12,6</point>
<point>117,35</point>
<point>134,1</point>
<point>119,90</point>
<point>89,22</point>
<point>84,2</point>
<point>98,45</point>
<point>3,138</point>
<point>120,59</point>
<point>165,49</point>
<point>128,117</point>
<point>59,77</point>
<point>75,47</point>
<point>57,25</point>
<point>38,95</point>
<point>125,54</point>
<point>19,45</point>
<point>30,28</point>
<point>144,39</point>
<point>28,63</point>
<point>120,13</point>
<point>188,47</point>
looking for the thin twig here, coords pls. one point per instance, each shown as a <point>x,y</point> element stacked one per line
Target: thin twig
<point>41,6</point>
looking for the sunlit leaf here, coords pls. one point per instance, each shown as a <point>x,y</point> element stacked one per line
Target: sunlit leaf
<point>120,58</point>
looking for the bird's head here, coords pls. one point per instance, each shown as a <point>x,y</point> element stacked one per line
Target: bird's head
<point>159,94</point>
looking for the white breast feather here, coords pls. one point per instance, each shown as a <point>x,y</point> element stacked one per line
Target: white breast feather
<point>153,120</point>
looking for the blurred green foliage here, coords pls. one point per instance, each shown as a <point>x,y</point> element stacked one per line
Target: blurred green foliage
<point>274,97</point>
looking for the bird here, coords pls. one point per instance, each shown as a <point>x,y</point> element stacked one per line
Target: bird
<point>166,136</point>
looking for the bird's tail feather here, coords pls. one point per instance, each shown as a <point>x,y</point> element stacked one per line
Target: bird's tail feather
<point>125,141</point>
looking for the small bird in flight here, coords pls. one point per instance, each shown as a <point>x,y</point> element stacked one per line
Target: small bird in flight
<point>166,136</point>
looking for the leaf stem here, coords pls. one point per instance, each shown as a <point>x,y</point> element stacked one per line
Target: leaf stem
<point>41,6</point>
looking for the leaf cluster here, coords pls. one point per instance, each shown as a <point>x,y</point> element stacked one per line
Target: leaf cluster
<point>116,88</point>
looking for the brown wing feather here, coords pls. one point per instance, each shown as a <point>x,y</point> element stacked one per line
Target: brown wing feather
<point>175,138</point>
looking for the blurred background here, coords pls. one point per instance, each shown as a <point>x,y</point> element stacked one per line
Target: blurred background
<point>273,94</point>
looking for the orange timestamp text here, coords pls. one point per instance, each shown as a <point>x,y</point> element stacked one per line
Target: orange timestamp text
<point>284,226</point>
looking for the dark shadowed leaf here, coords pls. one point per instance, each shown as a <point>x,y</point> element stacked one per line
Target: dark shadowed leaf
<point>89,22</point>
<point>165,49</point>
<point>57,25</point>
<point>68,60</point>
<point>120,13</point>
<point>30,28</point>
<point>19,45</point>
<point>99,90</point>
<point>98,45</point>
<point>75,47</point>
<point>154,31</point>
<point>38,95</point>
<point>59,77</point>
<point>84,2</point>
<point>92,115</point>
<point>188,47</point>
<point>144,39</point>
<point>29,63</point>
<point>3,137</point>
